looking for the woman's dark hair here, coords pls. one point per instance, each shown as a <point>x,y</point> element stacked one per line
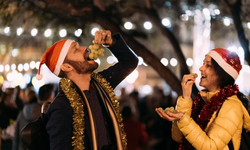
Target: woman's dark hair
<point>225,79</point>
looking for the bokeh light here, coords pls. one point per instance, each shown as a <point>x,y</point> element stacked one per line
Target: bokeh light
<point>19,31</point>
<point>173,62</point>
<point>164,61</point>
<point>128,25</point>
<point>94,30</point>
<point>62,33</point>
<point>189,62</point>
<point>148,25</point>
<point>34,32</point>
<point>166,22</point>
<point>78,32</point>
<point>48,33</point>
<point>132,77</point>
<point>7,68</point>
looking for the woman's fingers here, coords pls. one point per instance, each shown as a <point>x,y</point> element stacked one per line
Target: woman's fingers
<point>187,84</point>
<point>168,116</point>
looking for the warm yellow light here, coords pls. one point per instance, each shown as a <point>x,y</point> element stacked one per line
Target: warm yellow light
<point>1,79</point>
<point>132,77</point>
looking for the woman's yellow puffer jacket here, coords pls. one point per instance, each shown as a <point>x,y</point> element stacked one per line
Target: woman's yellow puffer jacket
<point>219,131</point>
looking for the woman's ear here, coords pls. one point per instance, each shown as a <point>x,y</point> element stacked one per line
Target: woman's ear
<point>66,67</point>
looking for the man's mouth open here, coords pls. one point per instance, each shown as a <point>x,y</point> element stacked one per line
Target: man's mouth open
<point>89,59</point>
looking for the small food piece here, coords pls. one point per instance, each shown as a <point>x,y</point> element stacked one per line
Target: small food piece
<point>171,109</point>
<point>95,51</point>
<point>195,75</point>
<point>160,108</point>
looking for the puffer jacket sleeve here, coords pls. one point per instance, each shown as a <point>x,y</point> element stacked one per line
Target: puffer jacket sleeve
<point>220,131</point>
<point>246,121</point>
<point>181,106</point>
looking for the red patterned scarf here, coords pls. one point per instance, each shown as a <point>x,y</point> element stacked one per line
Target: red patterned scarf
<point>202,115</point>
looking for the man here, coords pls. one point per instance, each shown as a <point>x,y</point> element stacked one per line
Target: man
<point>85,114</point>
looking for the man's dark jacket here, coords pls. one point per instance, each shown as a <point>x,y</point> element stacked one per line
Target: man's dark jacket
<point>60,112</point>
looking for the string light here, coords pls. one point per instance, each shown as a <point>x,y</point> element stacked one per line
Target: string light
<point>7,30</point>
<point>173,62</point>
<point>47,33</point>
<point>14,52</point>
<point>19,31</point>
<point>147,25</point>
<point>189,62</point>
<point>7,68</point>
<point>94,30</point>
<point>20,67</point>
<point>34,32</point>
<point>1,68</point>
<point>13,67</point>
<point>128,25</point>
<point>78,32</point>
<point>164,61</point>
<point>62,33</point>
<point>166,22</point>
<point>32,65</point>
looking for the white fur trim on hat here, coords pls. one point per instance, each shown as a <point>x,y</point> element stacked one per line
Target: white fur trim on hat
<point>62,56</point>
<point>223,64</point>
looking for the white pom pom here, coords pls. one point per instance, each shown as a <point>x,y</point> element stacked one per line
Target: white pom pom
<point>39,76</point>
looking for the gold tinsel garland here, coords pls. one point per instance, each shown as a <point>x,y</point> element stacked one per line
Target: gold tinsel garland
<point>78,116</point>
<point>110,91</point>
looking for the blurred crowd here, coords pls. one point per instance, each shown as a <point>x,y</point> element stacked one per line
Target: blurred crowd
<point>145,130</point>
<point>154,132</point>
<point>18,107</point>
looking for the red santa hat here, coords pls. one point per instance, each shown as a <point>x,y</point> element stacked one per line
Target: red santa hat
<point>54,57</point>
<point>229,61</point>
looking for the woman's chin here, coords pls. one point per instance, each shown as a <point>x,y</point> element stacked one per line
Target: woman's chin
<point>201,84</point>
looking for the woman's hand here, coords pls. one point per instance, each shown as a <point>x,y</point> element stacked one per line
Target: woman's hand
<point>169,116</point>
<point>103,37</point>
<point>187,83</point>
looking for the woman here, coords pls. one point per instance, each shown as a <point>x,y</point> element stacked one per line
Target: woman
<point>197,124</point>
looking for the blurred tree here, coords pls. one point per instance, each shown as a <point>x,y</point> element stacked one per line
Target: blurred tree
<point>239,10</point>
<point>235,9</point>
<point>110,15</point>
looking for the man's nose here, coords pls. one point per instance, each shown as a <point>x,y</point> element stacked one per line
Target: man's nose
<point>83,48</point>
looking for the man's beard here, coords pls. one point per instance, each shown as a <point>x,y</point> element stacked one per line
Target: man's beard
<point>83,67</point>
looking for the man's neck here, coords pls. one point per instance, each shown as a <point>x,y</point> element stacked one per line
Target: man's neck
<point>82,81</point>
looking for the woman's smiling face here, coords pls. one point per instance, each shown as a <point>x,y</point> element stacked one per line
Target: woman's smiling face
<point>209,78</point>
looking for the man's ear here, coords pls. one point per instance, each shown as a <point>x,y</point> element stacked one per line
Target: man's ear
<point>66,67</point>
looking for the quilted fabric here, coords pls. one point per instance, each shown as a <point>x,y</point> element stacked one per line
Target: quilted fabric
<point>219,131</point>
